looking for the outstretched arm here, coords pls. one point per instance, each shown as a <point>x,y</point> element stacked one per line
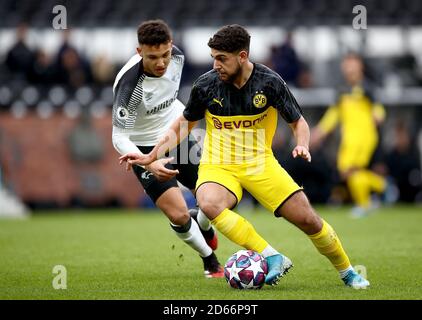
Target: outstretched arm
<point>124,145</point>
<point>178,131</point>
<point>324,127</point>
<point>301,132</point>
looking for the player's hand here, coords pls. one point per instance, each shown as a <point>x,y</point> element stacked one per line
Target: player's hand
<point>135,159</point>
<point>303,152</point>
<point>158,169</point>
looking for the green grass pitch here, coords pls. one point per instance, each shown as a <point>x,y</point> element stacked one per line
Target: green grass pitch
<point>118,254</point>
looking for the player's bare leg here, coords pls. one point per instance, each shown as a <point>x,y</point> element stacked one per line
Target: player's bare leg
<point>205,226</point>
<point>172,203</point>
<point>214,199</point>
<point>298,211</point>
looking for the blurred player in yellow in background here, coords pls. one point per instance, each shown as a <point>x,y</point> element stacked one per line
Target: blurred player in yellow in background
<point>359,115</point>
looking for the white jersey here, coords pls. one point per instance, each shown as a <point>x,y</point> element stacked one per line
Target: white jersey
<point>145,107</point>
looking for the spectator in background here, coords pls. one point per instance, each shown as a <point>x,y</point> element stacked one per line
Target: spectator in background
<point>359,114</point>
<point>42,71</point>
<point>403,163</point>
<point>71,68</point>
<point>66,33</point>
<point>285,61</point>
<point>20,57</point>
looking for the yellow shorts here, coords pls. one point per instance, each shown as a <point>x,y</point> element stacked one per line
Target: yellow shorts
<point>355,156</point>
<point>271,185</point>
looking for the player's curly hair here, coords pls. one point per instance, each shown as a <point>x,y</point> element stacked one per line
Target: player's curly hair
<point>154,32</point>
<point>231,38</point>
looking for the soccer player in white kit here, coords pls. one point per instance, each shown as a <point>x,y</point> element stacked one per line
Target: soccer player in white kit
<point>145,105</point>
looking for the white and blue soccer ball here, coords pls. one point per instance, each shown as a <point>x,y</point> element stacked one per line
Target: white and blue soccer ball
<point>246,269</point>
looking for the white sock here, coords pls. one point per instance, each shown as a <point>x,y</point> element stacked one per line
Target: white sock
<point>345,271</point>
<point>194,238</point>
<point>269,251</point>
<point>203,221</point>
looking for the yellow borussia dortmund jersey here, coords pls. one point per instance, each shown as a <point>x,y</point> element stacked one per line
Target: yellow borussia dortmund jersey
<point>240,123</point>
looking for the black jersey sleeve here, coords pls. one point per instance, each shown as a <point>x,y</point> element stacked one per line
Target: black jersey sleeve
<point>196,106</point>
<point>285,102</point>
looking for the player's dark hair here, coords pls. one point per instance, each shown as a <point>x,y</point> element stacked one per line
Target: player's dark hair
<point>154,32</point>
<point>232,38</point>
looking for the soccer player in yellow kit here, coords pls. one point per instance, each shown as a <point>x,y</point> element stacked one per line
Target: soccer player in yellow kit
<point>239,101</point>
<point>358,114</point>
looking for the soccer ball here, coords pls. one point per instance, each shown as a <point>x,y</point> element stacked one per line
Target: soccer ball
<point>246,269</point>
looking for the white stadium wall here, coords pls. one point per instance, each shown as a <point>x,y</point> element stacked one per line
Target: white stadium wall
<point>313,44</point>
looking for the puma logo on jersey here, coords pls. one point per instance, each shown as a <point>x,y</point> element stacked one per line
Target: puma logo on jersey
<point>219,102</point>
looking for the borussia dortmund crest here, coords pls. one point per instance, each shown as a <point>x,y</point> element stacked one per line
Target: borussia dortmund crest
<point>259,100</point>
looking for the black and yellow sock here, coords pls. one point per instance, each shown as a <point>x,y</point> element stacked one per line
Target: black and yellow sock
<point>239,230</point>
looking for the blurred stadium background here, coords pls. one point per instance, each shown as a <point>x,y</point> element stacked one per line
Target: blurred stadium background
<point>56,88</point>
